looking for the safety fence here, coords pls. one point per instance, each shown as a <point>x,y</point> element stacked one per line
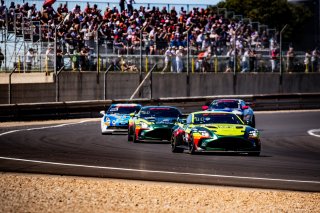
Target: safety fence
<point>134,63</point>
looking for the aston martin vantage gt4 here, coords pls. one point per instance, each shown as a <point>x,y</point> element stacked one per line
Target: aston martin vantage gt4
<point>211,131</point>
<point>153,123</point>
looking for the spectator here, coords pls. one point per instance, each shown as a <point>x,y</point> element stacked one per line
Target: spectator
<point>130,6</point>
<point>118,45</point>
<point>89,38</point>
<point>179,59</point>
<point>149,44</point>
<point>307,61</point>
<point>252,60</point>
<point>59,58</point>
<point>230,55</point>
<point>173,59</point>
<point>274,58</point>
<point>75,60</point>
<point>167,59</point>
<point>122,4</point>
<point>290,59</point>
<point>83,59</point>
<point>30,59</point>
<point>1,58</point>
<point>245,61</point>
<point>200,38</point>
<point>314,59</point>
<point>50,57</point>
<point>202,64</point>
<point>206,43</point>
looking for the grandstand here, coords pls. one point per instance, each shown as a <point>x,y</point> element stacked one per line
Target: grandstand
<point>92,36</point>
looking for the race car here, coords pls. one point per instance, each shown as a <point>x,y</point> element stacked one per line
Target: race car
<point>237,106</point>
<point>116,118</point>
<point>153,123</point>
<point>213,131</point>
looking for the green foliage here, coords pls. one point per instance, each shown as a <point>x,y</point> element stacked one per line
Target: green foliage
<point>274,13</point>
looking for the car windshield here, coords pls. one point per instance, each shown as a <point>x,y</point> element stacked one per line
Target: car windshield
<point>210,118</point>
<point>160,112</point>
<point>224,104</point>
<point>123,109</point>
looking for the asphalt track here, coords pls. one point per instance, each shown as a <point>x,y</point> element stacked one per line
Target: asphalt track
<point>290,157</point>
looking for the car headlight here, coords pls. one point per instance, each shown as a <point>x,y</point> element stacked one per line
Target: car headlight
<point>107,122</point>
<point>254,134</point>
<point>144,125</point>
<point>204,133</point>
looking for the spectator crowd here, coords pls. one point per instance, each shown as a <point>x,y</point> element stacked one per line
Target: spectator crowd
<point>159,31</point>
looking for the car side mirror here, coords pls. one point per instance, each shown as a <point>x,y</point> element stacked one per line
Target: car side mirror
<point>205,107</point>
<point>102,112</point>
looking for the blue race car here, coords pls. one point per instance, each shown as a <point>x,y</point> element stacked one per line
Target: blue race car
<point>117,117</point>
<point>237,106</point>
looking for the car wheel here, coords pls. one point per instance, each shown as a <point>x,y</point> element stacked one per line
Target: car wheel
<point>174,147</point>
<point>254,153</point>
<point>130,138</point>
<point>191,146</point>
<point>253,122</point>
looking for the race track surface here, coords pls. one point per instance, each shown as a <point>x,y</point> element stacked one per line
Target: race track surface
<point>290,157</point>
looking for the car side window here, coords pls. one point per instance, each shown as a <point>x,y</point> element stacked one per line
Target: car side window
<point>189,119</point>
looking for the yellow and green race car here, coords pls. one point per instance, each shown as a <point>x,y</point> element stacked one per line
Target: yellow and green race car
<point>153,123</point>
<point>213,131</point>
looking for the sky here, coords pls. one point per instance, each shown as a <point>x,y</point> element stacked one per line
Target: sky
<point>210,2</point>
<point>100,3</point>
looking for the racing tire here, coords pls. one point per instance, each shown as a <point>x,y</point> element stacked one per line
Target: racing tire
<point>191,146</point>
<point>253,122</point>
<point>130,137</point>
<point>254,154</point>
<point>106,133</point>
<point>174,147</point>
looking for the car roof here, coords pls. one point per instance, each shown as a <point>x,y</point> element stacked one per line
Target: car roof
<point>171,107</point>
<point>211,112</point>
<point>125,104</point>
<point>227,100</point>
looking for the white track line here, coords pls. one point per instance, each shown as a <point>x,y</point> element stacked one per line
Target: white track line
<point>134,170</point>
<point>158,172</point>
<point>314,132</point>
<point>45,127</point>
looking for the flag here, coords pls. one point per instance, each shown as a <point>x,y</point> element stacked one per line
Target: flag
<point>47,3</point>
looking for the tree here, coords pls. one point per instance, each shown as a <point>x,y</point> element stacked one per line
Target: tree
<point>275,14</point>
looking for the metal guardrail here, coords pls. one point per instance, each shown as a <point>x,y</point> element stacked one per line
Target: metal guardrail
<point>73,109</point>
